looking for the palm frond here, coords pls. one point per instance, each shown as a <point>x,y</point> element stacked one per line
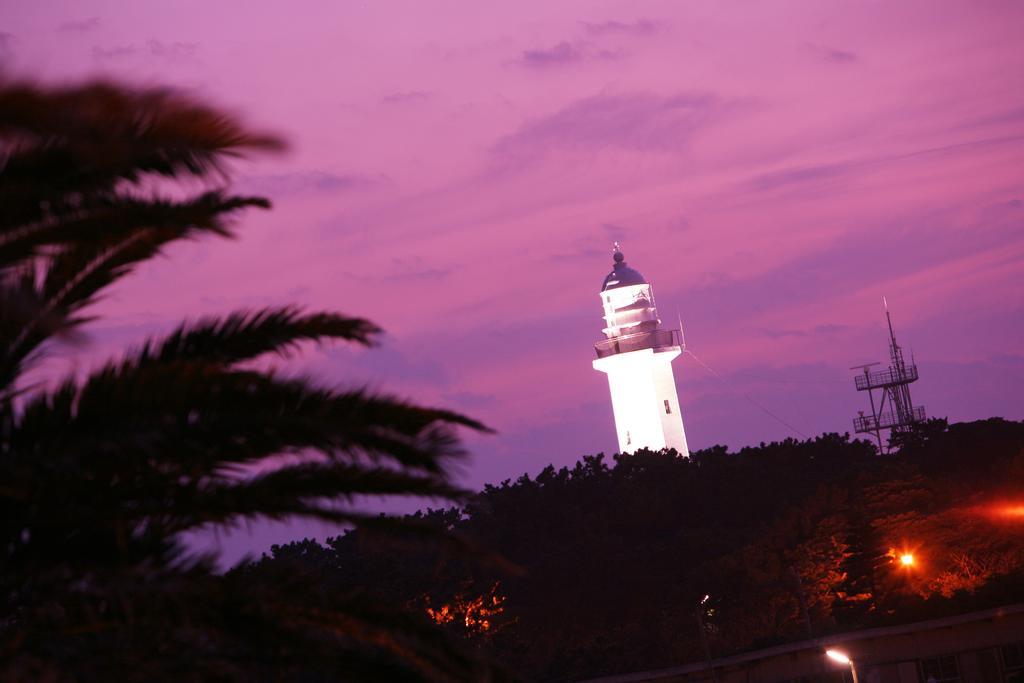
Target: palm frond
<point>63,148</point>
<point>199,418</point>
<point>110,219</point>
<point>244,335</point>
<point>106,128</point>
<point>100,477</point>
<point>81,269</point>
<point>313,490</point>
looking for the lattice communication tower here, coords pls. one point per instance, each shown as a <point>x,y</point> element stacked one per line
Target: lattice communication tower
<point>892,408</point>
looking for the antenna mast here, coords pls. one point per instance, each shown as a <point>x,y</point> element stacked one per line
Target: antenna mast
<point>894,410</point>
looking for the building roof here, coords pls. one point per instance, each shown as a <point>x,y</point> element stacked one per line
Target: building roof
<point>622,275</point>
<point>819,644</point>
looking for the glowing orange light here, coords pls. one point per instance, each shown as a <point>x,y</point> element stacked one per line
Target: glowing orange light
<point>907,559</point>
<point>1005,510</point>
<point>1011,511</point>
<point>476,614</point>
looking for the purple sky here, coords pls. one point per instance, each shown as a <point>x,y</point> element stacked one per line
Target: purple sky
<point>459,170</point>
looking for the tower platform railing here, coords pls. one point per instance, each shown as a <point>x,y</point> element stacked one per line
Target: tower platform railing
<point>654,339</point>
<point>887,420</point>
<point>886,378</point>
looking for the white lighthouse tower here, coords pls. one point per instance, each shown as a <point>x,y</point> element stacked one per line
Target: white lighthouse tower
<point>637,355</point>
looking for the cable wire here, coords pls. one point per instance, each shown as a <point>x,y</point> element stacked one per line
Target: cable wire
<point>746,396</point>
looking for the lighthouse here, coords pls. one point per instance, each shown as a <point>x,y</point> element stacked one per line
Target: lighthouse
<point>637,356</point>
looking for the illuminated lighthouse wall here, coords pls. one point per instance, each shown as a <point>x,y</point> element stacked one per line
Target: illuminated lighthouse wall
<point>637,355</point>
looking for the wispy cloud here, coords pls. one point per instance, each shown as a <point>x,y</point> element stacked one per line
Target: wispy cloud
<point>80,26</point>
<point>415,268</point>
<point>303,182</point>
<point>565,53</point>
<point>594,245</point>
<point>816,331</point>
<point>116,52</point>
<point>394,361</point>
<point>820,173</point>
<point>640,27</point>
<point>556,55</point>
<point>176,50</point>
<point>798,175</point>
<point>407,97</point>
<point>830,328</point>
<point>172,51</point>
<point>1006,116</point>
<point>588,253</point>
<point>401,271</point>
<point>1007,216</point>
<point>831,54</point>
<point>638,121</point>
<point>577,51</point>
<point>612,232</point>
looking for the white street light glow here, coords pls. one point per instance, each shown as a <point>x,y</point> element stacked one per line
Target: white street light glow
<point>838,656</point>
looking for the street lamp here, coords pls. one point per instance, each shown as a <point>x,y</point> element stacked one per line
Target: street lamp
<point>843,658</point>
<point>704,636</point>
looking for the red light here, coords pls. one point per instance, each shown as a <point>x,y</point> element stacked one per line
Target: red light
<point>1009,511</point>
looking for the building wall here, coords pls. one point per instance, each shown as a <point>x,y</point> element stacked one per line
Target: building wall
<point>665,388</point>
<point>631,383</point>
<point>640,382</point>
<point>978,644</point>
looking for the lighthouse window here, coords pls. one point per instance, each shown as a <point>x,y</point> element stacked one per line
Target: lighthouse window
<point>668,408</point>
<point>628,439</point>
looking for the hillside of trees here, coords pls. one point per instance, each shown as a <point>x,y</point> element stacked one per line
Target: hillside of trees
<point>605,566</point>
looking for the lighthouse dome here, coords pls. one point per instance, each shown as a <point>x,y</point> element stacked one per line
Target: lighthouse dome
<point>622,275</point>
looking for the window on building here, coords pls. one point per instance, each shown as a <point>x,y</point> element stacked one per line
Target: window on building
<point>939,670</point>
<point>1012,658</point>
<point>668,408</point>
<point>628,439</point>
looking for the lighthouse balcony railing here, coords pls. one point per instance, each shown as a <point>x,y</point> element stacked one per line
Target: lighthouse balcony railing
<point>886,378</point>
<point>887,420</point>
<point>654,339</point>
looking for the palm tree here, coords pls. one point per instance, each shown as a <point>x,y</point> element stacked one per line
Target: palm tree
<point>101,476</point>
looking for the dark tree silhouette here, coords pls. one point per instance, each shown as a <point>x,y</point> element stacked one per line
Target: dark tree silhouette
<point>785,539</point>
<point>101,475</point>
<point>918,435</point>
